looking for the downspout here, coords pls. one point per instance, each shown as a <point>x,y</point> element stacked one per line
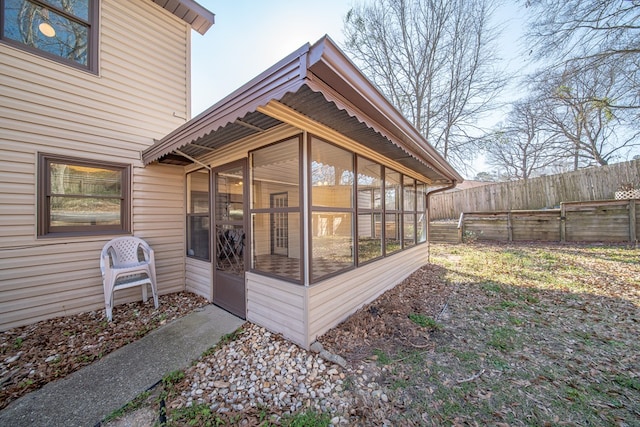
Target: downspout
<point>429,194</point>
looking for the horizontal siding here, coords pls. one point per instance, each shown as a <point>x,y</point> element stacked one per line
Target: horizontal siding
<point>198,278</point>
<point>334,300</point>
<point>159,191</point>
<point>278,306</point>
<point>139,95</point>
<point>48,281</point>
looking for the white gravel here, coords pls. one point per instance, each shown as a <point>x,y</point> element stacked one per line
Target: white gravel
<point>261,369</point>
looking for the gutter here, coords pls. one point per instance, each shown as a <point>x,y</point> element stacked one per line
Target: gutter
<point>429,194</point>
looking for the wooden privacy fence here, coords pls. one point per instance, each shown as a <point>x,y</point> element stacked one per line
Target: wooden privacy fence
<point>613,221</point>
<point>597,183</point>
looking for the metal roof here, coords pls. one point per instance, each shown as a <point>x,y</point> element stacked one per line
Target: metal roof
<point>317,81</point>
<point>189,11</point>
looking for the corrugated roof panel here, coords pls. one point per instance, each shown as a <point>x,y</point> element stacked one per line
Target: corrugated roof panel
<point>315,106</point>
<point>321,83</point>
<point>250,124</point>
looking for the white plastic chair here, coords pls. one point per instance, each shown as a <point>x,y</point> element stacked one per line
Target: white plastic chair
<point>126,262</point>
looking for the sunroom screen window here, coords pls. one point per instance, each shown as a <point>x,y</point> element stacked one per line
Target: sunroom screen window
<point>58,28</point>
<point>421,212</point>
<point>275,210</point>
<point>369,202</point>
<point>409,211</point>
<point>332,213</point>
<point>393,230</point>
<point>198,230</point>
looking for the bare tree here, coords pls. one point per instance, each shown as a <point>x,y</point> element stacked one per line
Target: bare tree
<point>435,62</point>
<point>522,148</point>
<point>583,34</point>
<point>578,111</point>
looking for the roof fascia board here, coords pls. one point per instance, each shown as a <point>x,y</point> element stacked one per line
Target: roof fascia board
<point>197,16</point>
<point>329,64</point>
<point>288,75</point>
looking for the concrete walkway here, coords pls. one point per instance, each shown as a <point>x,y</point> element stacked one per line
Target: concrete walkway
<point>85,397</point>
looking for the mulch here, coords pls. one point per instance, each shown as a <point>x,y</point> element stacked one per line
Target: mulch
<point>33,355</point>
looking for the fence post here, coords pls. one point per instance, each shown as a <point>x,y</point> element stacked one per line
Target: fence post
<point>632,220</point>
<point>509,227</point>
<point>563,223</point>
<point>461,227</point>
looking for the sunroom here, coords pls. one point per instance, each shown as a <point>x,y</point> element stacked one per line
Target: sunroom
<point>306,194</point>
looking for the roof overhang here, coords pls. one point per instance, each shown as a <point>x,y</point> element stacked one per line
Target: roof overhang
<point>200,18</point>
<point>317,81</point>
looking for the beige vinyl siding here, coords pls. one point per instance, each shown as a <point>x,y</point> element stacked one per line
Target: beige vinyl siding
<point>334,300</point>
<point>198,278</point>
<point>17,200</point>
<point>49,280</point>
<point>278,306</point>
<point>158,217</point>
<point>140,94</point>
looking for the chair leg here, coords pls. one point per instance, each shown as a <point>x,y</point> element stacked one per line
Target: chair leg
<point>155,295</point>
<point>109,307</point>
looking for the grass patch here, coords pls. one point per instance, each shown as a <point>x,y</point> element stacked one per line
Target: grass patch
<point>503,338</point>
<point>196,415</point>
<point>628,382</point>
<point>138,402</point>
<point>424,321</point>
<point>381,357</point>
<point>172,378</point>
<point>308,418</point>
<point>554,330</point>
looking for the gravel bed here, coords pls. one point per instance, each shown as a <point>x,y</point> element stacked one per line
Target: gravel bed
<point>262,370</point>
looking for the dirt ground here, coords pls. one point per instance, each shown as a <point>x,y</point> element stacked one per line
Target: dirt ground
<point>34,355</point>
<point>385,324</point>
<point>487,334</point>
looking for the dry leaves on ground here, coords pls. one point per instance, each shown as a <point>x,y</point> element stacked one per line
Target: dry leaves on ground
<point>31,356</point>
<point>489,334</point>
<point>526,334</point>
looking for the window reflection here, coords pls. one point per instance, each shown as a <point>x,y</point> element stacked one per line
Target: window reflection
<point>369,197</point>
<point>62,31</point>
<point>331,175</point>
<point>275,210</point>
<point>198,235</point>
<point>332,186</point>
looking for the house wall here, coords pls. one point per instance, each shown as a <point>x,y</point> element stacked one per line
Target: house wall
<point>198,278</point>
<point>278,306</point>
<point>332,301</point>
<point>140,93</point>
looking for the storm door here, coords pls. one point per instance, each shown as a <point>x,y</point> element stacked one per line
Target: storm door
<point>230,239</point>
<point>279,225</point>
